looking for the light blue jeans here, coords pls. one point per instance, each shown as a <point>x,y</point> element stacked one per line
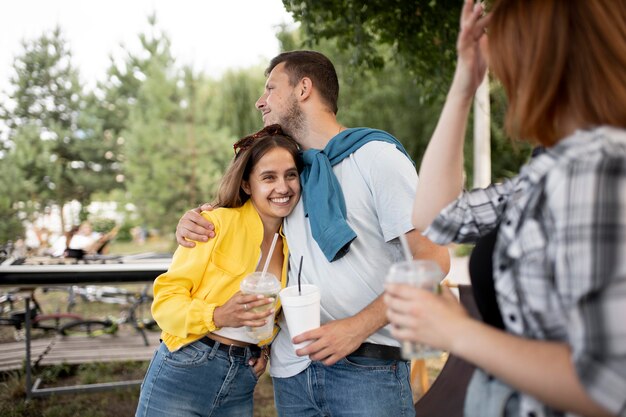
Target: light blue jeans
<point>352,387</point>
<point>197,380</point>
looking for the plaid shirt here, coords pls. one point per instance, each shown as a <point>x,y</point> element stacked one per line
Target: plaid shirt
<point>559,263</point>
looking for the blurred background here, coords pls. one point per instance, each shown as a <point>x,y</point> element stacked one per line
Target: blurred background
<point>123,113</point>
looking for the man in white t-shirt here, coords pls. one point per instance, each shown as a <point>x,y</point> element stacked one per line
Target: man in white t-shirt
<point>358,191</point>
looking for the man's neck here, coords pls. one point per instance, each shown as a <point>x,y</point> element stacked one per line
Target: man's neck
<point>318,131</point>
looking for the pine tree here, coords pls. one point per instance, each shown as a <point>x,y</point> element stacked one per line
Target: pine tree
<point>54,141</point>
<point>173,154</point>
<point>11,226</point>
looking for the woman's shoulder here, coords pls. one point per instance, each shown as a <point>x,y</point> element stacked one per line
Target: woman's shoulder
<point>220,215</point>
<point>597,143</point>
<point>590,159</point>
<point>225,216</point>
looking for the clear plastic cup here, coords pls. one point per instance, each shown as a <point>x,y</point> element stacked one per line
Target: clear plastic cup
<point>424,274</point>
<point>269,286</point>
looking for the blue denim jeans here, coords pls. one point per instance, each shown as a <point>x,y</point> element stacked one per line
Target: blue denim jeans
<point>197,380</point>
<point>354,386</point>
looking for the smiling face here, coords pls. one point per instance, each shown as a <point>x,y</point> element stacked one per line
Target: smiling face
<point>273,186</point>
<point>278,104</point>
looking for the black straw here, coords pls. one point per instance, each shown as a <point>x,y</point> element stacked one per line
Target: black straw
<point>300,272</point>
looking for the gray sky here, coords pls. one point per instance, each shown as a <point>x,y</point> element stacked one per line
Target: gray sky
<point>213,35</point>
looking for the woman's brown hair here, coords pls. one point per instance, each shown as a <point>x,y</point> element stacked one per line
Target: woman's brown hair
<point>559,59</point>
<point>248,151</point>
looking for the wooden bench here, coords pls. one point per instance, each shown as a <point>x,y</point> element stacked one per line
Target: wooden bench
<point>13,354</point>
<point>122,346</point>
<point>126,346</point>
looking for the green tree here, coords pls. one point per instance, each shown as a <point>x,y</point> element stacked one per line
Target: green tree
<point>419,34</point>
<point>114,97</point>
<point>10,194</point>
<point>236,93</point>
<point>173,156</point>
<point>52,139</point>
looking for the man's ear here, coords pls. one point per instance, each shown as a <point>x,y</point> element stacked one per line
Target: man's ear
<point>305,88</point>
<point>245,186</point>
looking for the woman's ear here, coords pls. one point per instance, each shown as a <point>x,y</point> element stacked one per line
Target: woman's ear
<point>245,186</point>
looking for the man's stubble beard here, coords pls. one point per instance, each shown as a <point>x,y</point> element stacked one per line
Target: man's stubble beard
<point>293,123</point>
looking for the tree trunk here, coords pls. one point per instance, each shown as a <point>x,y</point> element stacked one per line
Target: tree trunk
<point>482,135</point>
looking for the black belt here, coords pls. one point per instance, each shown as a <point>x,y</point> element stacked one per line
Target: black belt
<point>233,350</point>
<point>370,350</point>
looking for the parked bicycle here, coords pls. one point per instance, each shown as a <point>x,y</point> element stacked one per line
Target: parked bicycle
<point>45,322</point>
<point>8,300</point>
<point>108,295</point>
<point>137,311</point>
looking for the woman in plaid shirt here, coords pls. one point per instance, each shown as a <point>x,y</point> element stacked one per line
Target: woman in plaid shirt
<point>559,258</point>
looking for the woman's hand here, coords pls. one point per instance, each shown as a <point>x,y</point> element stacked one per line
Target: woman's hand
<point>239,311</point>
<point>471,48</point>
<point>259,364</point>
<point>421,316</point>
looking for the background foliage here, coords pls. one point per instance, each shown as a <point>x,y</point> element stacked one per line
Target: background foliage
<point>156,137</point>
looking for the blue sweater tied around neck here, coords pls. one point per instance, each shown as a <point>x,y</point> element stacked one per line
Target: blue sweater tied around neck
<point>322,196</point>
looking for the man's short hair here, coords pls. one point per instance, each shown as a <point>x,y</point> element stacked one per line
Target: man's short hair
<point>300,64</point>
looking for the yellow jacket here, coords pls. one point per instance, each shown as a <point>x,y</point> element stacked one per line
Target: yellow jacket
<point>206,276</point>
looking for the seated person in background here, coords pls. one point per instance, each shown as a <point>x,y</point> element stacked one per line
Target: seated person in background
<point>85,240</point>
<point>61,245</point>
<point>81,240</point>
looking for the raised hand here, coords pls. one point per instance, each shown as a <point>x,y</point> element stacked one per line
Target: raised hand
<point>471,48</point>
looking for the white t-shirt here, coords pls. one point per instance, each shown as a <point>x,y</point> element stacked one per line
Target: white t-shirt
<point>378,184</point>
<point>85,242</point>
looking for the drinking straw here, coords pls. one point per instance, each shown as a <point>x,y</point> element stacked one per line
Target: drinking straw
<point>300,272</point>
<point>269,256</point>
<point>405,248</point>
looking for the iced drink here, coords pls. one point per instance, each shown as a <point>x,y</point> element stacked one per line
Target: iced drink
<point>269,286</point>
<point>423,274</point>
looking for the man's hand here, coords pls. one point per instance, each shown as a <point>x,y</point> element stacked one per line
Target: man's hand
<point>192,226</point>
<point>332,341</point>
<point>259,364</point>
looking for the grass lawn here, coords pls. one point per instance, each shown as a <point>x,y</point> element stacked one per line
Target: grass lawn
<point>160,245</point>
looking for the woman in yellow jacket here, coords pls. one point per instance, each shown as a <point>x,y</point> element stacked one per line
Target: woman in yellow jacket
<point>207,365</point>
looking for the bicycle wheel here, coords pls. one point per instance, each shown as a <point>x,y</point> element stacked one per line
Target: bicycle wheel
<point>148,324</point>
<point>6,321</point>
<point>54,322</point>
<point>89,328</point>
<point>141,315</point>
